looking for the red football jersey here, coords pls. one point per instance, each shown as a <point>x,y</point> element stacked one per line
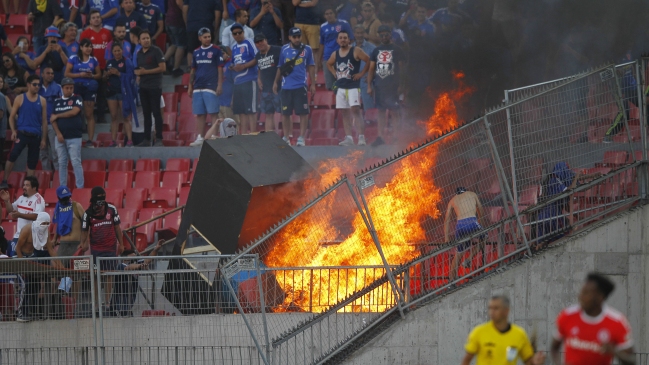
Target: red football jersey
<point>99,41</point>
<point>583,336</point>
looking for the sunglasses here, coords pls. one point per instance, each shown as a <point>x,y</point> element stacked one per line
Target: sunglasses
<point>237,33</point>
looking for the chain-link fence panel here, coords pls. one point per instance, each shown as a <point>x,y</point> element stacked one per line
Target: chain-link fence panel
<point>54,295</point>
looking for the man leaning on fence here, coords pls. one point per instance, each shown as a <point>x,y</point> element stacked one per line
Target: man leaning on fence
<point>67,218</point>
<point>100,229</point>
<point>25,209</point>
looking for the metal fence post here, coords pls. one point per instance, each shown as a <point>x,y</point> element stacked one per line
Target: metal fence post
<point>245,320</point>
<point>619,96</point>
<point>642,105</point>
<point>511,150</point>
<point>262,303</point>
<point>370,226</point>
<point>98,306</point>
<point>503,181</point>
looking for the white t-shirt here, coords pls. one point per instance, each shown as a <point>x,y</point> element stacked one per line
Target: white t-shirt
<point>227,39</point>
<point>28,205</point>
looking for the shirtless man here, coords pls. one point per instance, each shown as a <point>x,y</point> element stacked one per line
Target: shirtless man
<point>465,204</point>
<point>33,240</point>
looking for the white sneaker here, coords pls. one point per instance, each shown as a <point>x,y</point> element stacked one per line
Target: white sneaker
<point>361,140</point>
<point>287,140</point>
<point>198,142</point>
<point>348,141</point>
<point>300,141</point>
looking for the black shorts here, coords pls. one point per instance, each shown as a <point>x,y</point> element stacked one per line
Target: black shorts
<point>294,100</point>
<point>244,98</point>
<point>105,264</point>
<point>386,98</point>
<point>33,144</point>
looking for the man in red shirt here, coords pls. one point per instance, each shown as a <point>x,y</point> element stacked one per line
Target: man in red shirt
<point>99,37</point>
<point>591,332</point>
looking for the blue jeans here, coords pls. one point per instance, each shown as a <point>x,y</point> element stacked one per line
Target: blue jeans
<point>70,149</point>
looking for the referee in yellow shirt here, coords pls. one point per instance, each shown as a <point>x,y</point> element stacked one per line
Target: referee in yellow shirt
<point>499,342</point>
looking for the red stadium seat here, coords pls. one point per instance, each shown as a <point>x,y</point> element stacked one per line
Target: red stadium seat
<point>147,179</point>
<point>161,198</point>
<point>185,104</point>
<point>17,23</point>
<point>128,216</point>
<point>93,165</point>
<point>120,165</point>
<point>44,178</point>
<point>148,213</point>
<point>82,196</point>
<point>10,227</point>
<point>185,79</point>
<point>184,194</point>
<point>323,119</point>
<point>323,100</point>
<point>134,197</point>
<point>187,123</point>
<point>178,164</point>
<point>161,42</point>
<point>172,220</point>
<point>529,196</point>
<point>50,197</point>
<point>13,37</point>
<point>187,137</point>
<point>174,179</point>
<point>371,115</point>
<point>170,135</point>
<point>94,178</point>
<point>71,180</point>
<point>613,158</point>
<point>144,236</point>
<point>105,138</point>
<point>169,122</point>
<point>120,180</point>
<point>147,164</point>
<point>15,179</point>
<point>115,197</point>
<point>171,102</point>
<point>320,137</point>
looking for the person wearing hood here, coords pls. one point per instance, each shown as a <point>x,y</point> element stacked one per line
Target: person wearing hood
<point>560,180</point>
<point>101,231</point>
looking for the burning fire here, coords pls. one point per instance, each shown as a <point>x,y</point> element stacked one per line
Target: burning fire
<point>316,238</point>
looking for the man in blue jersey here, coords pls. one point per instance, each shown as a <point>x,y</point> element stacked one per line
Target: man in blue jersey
<point>294,82</point>
<point>131,18</point>
<point>71,12</point>
<point>108,9</point>
<point>153,16</point>
<point>51,91</point>
<point>205,82</point>
<point>329,41</point>
<point>244,97</point>
<point>67,123</point>
<point>119,35</point>
<point>28,123</point>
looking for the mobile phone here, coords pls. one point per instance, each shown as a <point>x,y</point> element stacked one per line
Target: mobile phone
<point>53,41</point>
<point>21,44</point>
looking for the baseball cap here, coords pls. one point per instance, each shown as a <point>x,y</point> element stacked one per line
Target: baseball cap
<point>294,31</point>
<point>204,30</point>
<point>384,28</point>
<point>259,37</point>
<point>52,32</point>
<point>67,81</point>
<point>460,189</point>
<point>236,26</point>
<point>63,192</point>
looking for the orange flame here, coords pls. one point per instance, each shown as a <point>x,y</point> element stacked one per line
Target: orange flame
<point>397,207</point>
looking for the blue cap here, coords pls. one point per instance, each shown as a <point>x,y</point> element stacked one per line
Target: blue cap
<point>236,26</point>
<point>63,192</point>
<point>294,31</point>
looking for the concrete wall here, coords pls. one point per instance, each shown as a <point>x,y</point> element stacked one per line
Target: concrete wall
<point>539,289</point>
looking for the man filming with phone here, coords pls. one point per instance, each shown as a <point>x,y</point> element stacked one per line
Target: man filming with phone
<point>51,54</point>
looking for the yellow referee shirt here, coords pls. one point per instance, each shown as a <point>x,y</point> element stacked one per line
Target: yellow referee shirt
<point>491,347</point>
